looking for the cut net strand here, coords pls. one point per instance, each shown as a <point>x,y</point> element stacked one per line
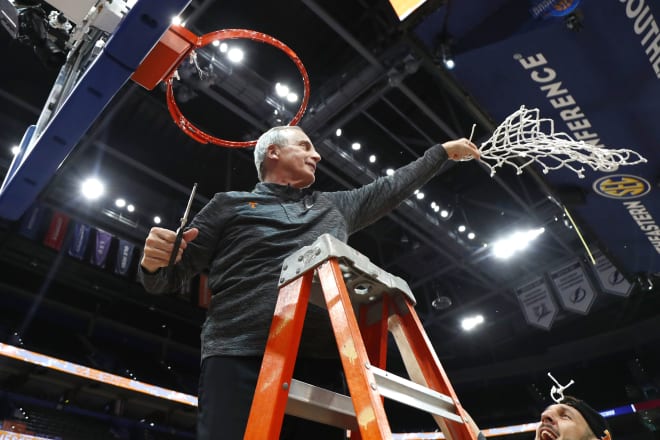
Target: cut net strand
<point>526,136</point>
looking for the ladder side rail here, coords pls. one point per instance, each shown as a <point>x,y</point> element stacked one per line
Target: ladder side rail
<point>369,410</point>
<point>272,391</point>
<point>424,367</point>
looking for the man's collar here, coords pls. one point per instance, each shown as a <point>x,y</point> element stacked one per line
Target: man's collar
<point>285,191</point>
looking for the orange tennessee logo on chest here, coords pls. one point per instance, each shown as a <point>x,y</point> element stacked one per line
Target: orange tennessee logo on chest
<point>252,204</point>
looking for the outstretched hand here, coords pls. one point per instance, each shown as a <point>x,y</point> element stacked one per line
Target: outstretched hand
<point>158,247</point>
<point>461,149</point>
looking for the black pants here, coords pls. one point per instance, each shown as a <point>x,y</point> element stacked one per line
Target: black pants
<point>226,387</point>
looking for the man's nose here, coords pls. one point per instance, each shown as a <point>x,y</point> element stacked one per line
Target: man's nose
<point>316,156</point>
<point>547,417</point>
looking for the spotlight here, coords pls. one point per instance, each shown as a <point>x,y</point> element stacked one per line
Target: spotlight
<point>356,146</point>
<point>282,90</point>
<point>92,188</point>
<point>338,132</point>
<point>471,322</point>
<point>235,55</point>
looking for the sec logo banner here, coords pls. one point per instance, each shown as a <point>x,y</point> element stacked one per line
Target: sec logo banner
<point>621,186</point>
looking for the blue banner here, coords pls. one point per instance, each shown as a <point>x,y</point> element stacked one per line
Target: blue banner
<point>101,249</point>
<point>32,222</point>
<point>125,252</point>
<point>79,240</point>
<point>600,85</point>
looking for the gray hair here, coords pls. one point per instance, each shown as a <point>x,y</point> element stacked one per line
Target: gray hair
<point>274,136</point>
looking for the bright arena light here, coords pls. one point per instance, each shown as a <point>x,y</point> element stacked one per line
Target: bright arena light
<point>15,149</point>
<point>471,322</point>
<point>338,132</point>
<point>281,90</point>
<point>176,20</point>
<point>224,47</point>
<point>444,213</point>
<point>292,97</point>
<point>518,241</point>
<point>372,158</point>
<point>92,188</point>
<point>120,203</point>
<point>130,207</point>
<point>235,55</point>
<point>389,171</point>
<point>356,146</point>
<point>157,220</point>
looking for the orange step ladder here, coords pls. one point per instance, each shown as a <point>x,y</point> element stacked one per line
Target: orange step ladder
<point>350,284</point>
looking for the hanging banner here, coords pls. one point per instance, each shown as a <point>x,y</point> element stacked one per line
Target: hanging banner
<point>575,291</point>
<point>101,248</point>
<point>56,231</point>
<point>125,252</point>
<point>204,298</point>
<point>610,279</point>
<point>537,304</point>
<point>79,240</point>
<point>32,221</point>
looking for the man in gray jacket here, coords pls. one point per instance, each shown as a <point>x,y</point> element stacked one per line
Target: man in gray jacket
<point>241,238</point>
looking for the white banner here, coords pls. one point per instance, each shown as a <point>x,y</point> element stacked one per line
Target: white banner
<point>537,303</point>
<point>573,287</point>
<point>610,279</point>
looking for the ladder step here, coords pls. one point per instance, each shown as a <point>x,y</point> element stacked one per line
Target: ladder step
<point>324,406</point>
<point>412,394</point>
<point>320,405</point>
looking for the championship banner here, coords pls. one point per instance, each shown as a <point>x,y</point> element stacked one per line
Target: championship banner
<point>56,231</point>
<point>537,304</point>
<point>80,238</point>
<point>101,248</point>
<point>600,85</point>
<point>32,221</point>
<point>609,278</point>
<point>125,253</point>
<point>575,291</point>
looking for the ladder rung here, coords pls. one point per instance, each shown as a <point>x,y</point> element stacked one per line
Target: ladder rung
<point>320,405</point>
<point>415,395</point>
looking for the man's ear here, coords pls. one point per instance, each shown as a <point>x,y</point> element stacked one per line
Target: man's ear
<point>273,151</point>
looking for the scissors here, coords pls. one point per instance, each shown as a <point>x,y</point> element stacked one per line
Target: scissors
<point>179,232</point>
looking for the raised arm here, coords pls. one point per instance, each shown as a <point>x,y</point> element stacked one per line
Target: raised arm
<point>365,205</point>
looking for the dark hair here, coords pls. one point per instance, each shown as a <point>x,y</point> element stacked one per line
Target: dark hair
<point>596,422</point>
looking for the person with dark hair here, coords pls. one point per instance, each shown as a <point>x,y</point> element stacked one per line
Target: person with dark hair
<point>572,419</point>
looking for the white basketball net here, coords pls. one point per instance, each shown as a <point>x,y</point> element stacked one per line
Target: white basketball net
<point>527,136</point>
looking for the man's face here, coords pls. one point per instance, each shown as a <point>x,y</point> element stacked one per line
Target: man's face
<point>563,422</point>
<point>297,160</point>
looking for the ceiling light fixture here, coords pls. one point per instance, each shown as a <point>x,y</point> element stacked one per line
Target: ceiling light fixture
<point>282,90</point>
<point>92,188</point>
<point>518,241</point>
<point>471,322</point>
<point>235,55</point>
<point>356,146</point>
